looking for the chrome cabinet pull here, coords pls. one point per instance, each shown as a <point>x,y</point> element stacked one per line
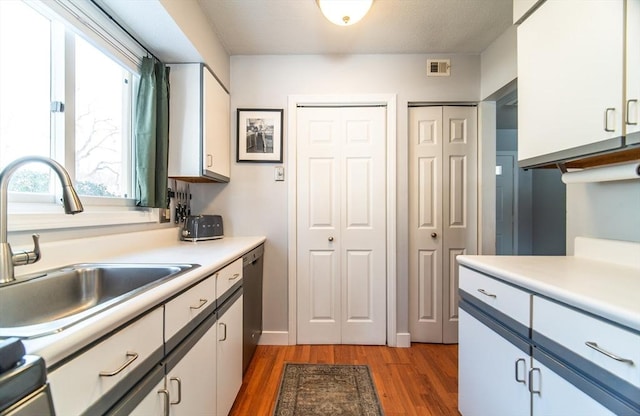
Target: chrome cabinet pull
<point>531,389</point>
<point>484,292</point>
<point>606,119</point>
<point>209,160</point>
<point>131,358</point>
<point>628,120</point>
<point>518,379</point>
<point>166,400</point>
<point>235,276</point>
<point>179,389</point>
<point>202,303</point>
<point>222,324</point>
<point>595,346</point>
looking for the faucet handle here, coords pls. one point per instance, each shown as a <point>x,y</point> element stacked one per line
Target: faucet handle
<point>28,257</point>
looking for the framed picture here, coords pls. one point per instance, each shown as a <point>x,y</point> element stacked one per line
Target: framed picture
<point>259,135</point>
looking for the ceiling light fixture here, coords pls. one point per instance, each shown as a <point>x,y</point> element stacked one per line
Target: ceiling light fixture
<point>344,12</point>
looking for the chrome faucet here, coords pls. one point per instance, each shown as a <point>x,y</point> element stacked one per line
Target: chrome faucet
<point>70,199</point>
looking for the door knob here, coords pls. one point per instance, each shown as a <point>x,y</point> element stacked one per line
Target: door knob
<point>330,238</point>
<point>434,235</point>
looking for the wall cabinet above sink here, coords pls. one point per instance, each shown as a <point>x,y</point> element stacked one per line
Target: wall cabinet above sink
<point>199,125</point>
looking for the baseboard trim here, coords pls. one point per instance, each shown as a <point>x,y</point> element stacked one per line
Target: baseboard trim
<point>274,338</point>
<point>403,340</point>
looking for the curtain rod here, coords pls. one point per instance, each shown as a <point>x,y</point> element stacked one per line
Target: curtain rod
<point>124,30</point>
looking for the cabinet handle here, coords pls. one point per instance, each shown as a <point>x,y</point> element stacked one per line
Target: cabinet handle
<point>595,346</point>
<point>235,276</point>
<point>179,389</point>
<point>484,292</point>
<point>166,400</point>
<point>531,389</point>
<point>628,120</point>
<point>518,379</point>
<point>209,160</point>
<point>222,324</point>
<point>131,358</point>
<point>202,303</point>
<point>606,119</point>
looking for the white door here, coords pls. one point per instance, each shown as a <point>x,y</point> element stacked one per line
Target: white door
<point>505,203</point>
<point>341,225</point>
<point>442,215</point>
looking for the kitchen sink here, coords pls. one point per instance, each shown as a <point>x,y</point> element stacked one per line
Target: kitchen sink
<point>56,299</point>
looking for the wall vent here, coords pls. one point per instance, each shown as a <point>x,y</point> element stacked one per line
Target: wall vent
<point>438,67</point>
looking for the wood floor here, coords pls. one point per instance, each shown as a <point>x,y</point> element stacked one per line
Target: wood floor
<point>421,380</point>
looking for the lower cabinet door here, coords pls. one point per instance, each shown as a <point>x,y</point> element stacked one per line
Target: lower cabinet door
<point>192,382</point>
<point>229,347</point>
<point>153,403</point>
<point>492,376</point>
<point>555,396</point>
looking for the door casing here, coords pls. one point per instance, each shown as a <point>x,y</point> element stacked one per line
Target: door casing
<point>389,100</point>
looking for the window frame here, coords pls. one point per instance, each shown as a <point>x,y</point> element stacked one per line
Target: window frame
<point>70,18</point>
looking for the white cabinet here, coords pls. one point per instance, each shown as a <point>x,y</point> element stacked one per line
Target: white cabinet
<point>553,395</point>
<point>186,311</point>
<point>199,133</point>
<point>493,362</point>
<point>89,382</point>
<point>192,382</point>
<point>570,80</point>
<point>493,372</point>
<point>632,104</point>
<point>521,354</point>
<point>229,355</point>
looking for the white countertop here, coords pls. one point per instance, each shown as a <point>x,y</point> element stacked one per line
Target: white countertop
<point>210,255</point>
<point>606,289</point>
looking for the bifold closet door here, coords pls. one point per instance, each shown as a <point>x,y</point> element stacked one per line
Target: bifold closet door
<point>442,215</point>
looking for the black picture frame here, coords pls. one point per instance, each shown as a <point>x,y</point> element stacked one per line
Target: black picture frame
<point>259,135</point>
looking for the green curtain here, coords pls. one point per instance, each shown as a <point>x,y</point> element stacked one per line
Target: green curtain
<point>151,134</point>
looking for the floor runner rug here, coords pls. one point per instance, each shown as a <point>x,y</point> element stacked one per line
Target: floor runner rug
<point>323,389</point>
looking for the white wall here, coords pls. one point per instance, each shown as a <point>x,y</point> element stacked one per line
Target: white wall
<point>188,15</point>
<point>254,204</point>
<point>603,210</point>
<point>498,64</point>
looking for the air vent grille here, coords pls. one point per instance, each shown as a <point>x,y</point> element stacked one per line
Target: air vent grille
<point>438,67</point>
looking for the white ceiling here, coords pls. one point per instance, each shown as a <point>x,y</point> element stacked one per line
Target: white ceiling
<point>254,27</point>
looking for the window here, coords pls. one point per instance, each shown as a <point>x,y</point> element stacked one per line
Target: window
<point>62,97</point>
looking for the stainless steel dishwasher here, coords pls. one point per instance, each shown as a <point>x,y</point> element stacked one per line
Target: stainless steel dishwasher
<point>252,264</point>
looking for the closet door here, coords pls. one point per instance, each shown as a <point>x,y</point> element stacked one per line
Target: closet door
<point>341,275</point>
<point>442,215</point>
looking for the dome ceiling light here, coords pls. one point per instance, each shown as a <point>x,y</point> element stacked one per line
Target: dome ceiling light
<point>344,12</point>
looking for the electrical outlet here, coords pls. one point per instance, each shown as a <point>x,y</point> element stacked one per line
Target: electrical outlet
<point>279,173</point>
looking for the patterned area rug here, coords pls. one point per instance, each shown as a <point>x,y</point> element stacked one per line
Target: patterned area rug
<point>322,389</point>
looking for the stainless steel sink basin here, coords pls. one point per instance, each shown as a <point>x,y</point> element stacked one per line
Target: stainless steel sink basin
<point>63,297</point>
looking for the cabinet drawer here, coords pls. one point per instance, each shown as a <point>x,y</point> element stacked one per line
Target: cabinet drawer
<point>228,277</point>
<point>79,386</point>
<point>189,307</point>
<point>573,329</point>
<point>507,299</point>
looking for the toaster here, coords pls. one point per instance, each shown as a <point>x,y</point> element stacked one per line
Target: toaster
<point>202,227</point>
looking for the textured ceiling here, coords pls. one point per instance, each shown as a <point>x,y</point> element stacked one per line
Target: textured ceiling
<point>251,27</point>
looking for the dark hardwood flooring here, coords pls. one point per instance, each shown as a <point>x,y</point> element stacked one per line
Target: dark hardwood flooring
<point>421,380</point>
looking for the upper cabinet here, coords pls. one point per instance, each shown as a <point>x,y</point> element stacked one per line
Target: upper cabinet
<point>632,106</point>
<point>572,62</point>
<point>199,134</point>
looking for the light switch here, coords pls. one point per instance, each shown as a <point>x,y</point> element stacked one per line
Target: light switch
<point>279,173</point>
<point>498,170</point>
